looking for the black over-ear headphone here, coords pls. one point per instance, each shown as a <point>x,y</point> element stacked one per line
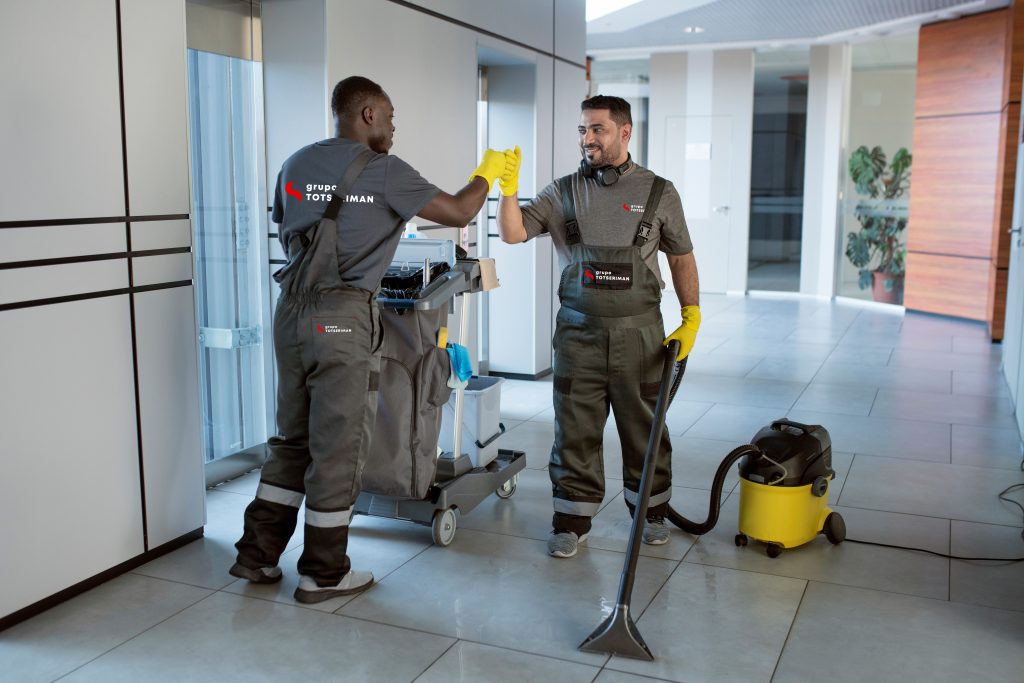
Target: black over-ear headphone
<point>605,175</point>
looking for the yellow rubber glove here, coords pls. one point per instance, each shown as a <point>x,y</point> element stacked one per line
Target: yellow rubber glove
<point>686,333</point>
<point>509,180</point>
<point>492,166</point>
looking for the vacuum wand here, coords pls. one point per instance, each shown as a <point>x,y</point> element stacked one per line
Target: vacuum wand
<point>618,635</point>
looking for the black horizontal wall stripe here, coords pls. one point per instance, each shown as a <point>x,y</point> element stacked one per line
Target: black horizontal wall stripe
<point>34,303</point>
<point>36,263</point>
<point>92,220</point>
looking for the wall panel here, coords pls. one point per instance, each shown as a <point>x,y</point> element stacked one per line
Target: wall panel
<point>60,117</point>
<point>952,203</point>
<point>70,504</point>
<point>948,285</point>
<point>61,241</point>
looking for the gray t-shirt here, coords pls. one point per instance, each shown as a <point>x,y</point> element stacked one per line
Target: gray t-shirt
<point>608,216</point>
<point>387,194</point>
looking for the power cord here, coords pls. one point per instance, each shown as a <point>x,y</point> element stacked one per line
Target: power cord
<point>1009,560</point>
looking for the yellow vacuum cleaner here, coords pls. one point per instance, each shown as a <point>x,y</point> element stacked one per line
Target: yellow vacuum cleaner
<point>784,488</point>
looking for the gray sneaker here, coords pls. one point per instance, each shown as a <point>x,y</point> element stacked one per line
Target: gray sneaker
<point>564,543</point>
<point>655,531</point>
<point>353,582</point>
<point>261,575</point>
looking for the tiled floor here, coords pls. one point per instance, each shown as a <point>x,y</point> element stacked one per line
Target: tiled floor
<point>923,437</point>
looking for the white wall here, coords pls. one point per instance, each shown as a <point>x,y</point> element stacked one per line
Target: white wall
<point>827,95</point>
<point>77,370</point>
<point>712,90</point>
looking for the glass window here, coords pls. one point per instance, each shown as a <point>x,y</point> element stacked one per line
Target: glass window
<point>226,138</point>
<point>877,168</point>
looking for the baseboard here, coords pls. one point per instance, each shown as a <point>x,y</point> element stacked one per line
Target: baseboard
<point>517,375</point>
<point>90,583</point>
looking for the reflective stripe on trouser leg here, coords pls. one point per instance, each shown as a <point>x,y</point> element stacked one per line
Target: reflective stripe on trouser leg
<point>342,409</point>
<point>576,507</point>
<point>270,519</point>
<point>656,498</point>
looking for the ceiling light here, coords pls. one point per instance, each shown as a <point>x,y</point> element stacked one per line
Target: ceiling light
<point>693,29</point>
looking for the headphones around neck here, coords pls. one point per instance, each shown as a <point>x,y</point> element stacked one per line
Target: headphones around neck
<point>605,175</point>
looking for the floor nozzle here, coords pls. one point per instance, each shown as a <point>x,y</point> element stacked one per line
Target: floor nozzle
<point>618,635</point>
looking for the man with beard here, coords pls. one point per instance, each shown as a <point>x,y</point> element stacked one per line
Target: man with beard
<point>342,204</point>
<point>607,222</point>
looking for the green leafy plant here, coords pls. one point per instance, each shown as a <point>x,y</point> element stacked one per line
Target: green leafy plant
<point>878,246</point>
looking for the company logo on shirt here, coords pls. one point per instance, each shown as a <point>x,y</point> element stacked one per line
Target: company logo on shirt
<point>322,193</point>
<point>292,191</point>
<point>332,329</point>
<point>633,208</point>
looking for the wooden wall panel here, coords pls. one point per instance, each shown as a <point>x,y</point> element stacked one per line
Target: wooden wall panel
<point>961,65</point>
<point>1014,53</point>
<point>1003,221</point>
<point>949,285</point>
<point>952,203</point>
<point>997,286</point>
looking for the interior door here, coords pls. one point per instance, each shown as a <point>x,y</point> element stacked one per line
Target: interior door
<point>1012,346</point>
<point>698,161</point>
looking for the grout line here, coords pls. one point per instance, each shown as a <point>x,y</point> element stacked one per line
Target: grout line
<point>436,660</point>
<point>949,565</point>
<point>846,478</point>
<point>785,642</point>
<point>873,400</point>
<point>103,654</point>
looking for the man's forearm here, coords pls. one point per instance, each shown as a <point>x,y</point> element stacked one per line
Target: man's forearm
<point>684,279</point>
<point>510,220</point>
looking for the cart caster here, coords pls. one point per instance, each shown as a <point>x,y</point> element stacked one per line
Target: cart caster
<point>741,540</point>
<point>443,527</point>
<point>835,528</point>
<point>773,550</point>
<point>506,490</point>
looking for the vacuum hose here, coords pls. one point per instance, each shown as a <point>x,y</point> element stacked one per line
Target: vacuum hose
<point>701,528</point>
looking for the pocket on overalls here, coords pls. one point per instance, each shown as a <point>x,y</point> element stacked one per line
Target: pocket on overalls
<point>337,337</point>
<point>435,369</point>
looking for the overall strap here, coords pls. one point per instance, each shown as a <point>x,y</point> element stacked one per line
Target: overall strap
<point>355,167</point>
<point>643,232</point>
<point>572,228</point>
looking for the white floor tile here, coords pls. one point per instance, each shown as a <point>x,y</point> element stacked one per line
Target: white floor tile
<point>473,663</point>
<point>853,634</point>
<point>993,584</point>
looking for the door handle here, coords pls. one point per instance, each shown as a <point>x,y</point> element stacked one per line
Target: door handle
<point>1013,230</point>
<point>721,209</point>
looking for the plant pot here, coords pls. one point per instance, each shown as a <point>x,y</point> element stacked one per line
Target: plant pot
<point>878,290</point>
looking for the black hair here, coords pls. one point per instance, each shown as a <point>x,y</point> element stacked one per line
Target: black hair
<point>617,107</point>
<point>351,95</point>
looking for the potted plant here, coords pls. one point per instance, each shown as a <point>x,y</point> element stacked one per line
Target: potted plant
<point>877,249</point>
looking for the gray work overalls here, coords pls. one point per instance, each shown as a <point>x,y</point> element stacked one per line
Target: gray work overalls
<point>327,341</point>
<point>608,351</point>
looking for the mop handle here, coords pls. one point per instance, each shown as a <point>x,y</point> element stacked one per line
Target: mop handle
<point>647,478</point>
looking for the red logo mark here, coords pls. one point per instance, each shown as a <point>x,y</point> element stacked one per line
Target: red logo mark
<point>293,192</point>
<point>319,328</point>
<point>588,274</point>
<point>626,207</point>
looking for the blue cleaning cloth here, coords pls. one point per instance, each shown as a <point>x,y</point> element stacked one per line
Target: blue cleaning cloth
<point>462,367</point>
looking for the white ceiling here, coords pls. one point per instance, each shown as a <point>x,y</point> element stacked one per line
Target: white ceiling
<point>658,25</point>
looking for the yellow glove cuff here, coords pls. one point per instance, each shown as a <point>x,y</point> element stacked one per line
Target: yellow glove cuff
<point>509,180</point>
<point>691,317</point>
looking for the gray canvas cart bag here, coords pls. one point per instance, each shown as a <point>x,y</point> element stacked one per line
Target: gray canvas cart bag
<point>413,388</point>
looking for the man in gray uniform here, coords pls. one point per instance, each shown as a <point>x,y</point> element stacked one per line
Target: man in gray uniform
<point>607,222</point>
<point>342,204</point>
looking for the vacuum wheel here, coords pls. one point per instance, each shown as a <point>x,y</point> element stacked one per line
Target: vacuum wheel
<point>773,550</point>
<point>443,527</point>
<point>741,540</point>
<point>506,490</point>
<point>835,528</point>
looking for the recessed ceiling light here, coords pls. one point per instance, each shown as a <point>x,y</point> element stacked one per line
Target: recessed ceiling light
<point>693,29</point>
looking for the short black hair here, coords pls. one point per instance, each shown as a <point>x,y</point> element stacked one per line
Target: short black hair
<point>618,108</point>
<point>352,94</point>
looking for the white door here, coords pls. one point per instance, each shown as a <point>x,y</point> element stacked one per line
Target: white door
<point>698,161</point>
<point>1012,343</point>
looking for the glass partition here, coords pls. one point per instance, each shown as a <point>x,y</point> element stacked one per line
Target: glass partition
<point>877,167</point>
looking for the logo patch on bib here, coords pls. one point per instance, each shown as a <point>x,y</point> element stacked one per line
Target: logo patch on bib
<point>607,275</point>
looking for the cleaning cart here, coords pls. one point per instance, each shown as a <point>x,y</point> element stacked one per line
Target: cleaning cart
<point>407,476</point>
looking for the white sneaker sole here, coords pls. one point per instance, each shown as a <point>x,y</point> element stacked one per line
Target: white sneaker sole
<point>561,555</point>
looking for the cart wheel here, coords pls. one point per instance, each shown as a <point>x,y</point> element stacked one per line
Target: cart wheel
<point>506,490</point>
<point>835,528</point>
<point>773,550</point>
<point>741,540</point>
<point>443,527</point>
